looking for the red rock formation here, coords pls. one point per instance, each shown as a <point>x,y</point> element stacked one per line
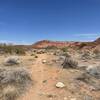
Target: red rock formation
<point>59,44</point>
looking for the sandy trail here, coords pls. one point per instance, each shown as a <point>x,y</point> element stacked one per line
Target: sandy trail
<point>40,73</point>
<point>37,76</point>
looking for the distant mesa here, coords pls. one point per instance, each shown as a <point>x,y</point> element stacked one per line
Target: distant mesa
<point>46,43</point>
<point>60,44</point>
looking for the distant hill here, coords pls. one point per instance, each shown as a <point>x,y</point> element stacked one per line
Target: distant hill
<point>60,44</point>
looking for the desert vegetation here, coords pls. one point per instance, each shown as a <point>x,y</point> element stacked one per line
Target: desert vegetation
<point>69,63</point>
<point>12,60</point>
<point>11,49</point>
<point>65,73</point>
<point>14,80</point>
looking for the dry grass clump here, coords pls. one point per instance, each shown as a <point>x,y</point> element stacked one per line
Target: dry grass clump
<point>96,54</point>
<point>94,71</point>
<point>66,54</point>
<point>13,82</point>
<point>64,49</point>
<point>91,77</point>
<point>11,49</point>
<point>69,63</point>
<point>12,60</point>
<point>34,55</point>
<point>10,93</point>
<point>86,55</point>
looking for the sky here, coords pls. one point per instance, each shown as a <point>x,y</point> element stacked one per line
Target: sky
<point>28,21</point>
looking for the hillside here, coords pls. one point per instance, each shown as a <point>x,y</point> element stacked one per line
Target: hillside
<point>60,44</point>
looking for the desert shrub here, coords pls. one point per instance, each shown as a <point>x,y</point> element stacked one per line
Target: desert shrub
<point>94,71</point>
<point>96,51</point>
<point>96,54</point>
<point>13,60</point>
<point>10,93</point>
<point>14,82</point>
<point>64,49</point>
<point>35,56</point>
<point>82,45</point>
<point>19,51</point>
<point>32,54</point>
<point>85,55</point>
<point>10,49</point>
<point>66,54</point>
<point>51,47</point>
<point>91,77</point>
<point>69,63</point>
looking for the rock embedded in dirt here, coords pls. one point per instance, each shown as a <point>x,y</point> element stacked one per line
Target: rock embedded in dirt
<point>60,85</point>
<point>44,61</point>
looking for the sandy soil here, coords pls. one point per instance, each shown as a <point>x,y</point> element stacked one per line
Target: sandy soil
<point>46,76</point>
<point>44,80</point>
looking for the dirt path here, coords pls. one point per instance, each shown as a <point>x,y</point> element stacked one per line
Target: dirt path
<point>40,74</point>
<point>37,76</point>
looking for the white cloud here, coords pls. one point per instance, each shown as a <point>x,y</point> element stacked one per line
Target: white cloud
<point>88,35</point>
<point>13,42</point>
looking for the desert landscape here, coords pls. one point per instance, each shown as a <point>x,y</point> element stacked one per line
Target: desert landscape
<point>50,70</point>
<point>49,49</point>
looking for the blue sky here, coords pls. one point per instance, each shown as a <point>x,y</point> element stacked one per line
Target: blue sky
<point>27,21</point>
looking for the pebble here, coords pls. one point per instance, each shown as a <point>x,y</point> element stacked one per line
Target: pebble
<point>60,85</point>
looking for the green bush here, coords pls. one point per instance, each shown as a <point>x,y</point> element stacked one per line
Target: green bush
<point>82,45</point>
<point>19,51</point>
<point>32,54</point>
<point>64,49</point>
<point>51,47</point>
<point>10,49</point>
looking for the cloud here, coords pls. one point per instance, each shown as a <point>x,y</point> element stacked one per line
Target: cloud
<point>86,36</point>
<point>5,41</point>
<point>13,42</point>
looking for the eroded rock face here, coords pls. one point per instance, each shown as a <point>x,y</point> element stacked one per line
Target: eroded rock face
<point>46,43</point>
